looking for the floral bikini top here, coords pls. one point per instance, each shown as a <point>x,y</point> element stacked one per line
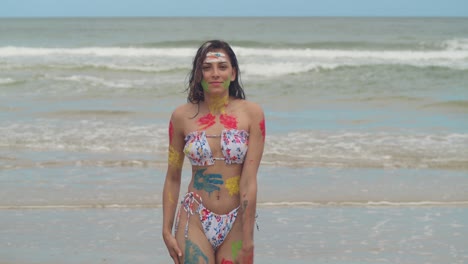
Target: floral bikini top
<point>234,145</point>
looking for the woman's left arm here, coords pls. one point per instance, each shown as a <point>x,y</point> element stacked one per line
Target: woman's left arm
<point>248,181</point>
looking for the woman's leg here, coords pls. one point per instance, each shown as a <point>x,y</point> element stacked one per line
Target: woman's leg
<point>227,251</point>
<point>195,248</point>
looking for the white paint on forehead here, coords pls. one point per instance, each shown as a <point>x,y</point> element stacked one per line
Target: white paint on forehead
<point>215,57</point>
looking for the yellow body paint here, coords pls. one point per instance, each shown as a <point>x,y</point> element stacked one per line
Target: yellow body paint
<point>232,184</point>
<point>171,200</point>
<point>174,158</point>
<point>218,105</point>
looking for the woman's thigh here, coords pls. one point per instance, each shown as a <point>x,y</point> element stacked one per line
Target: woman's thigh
<point>227,251</point>
<point>195,248</point>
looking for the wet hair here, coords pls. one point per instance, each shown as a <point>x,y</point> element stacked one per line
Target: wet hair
<point>195,89</point>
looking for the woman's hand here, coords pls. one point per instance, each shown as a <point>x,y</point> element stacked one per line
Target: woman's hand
<point>173,248</point>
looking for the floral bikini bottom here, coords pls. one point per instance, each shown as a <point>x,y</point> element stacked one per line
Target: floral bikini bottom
<point>216,227</point>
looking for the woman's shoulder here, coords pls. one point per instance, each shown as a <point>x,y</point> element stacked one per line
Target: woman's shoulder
<point>183,111</point>
<point>186,108</point>
<point>252,107</point>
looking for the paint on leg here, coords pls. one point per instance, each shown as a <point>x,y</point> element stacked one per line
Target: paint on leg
<point>193,253</point>
<point>236,247</point>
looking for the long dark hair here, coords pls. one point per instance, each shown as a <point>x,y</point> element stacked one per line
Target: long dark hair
<point>195,89</point>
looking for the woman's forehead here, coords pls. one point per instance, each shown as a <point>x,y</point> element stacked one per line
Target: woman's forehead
<point>216,56</point>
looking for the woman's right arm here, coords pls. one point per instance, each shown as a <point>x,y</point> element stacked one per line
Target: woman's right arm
<point>172,183</point>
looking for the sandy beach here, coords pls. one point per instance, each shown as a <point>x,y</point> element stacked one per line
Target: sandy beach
<point>366,153</point>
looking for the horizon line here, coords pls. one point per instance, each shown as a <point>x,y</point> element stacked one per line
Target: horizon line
<point>241,16</point>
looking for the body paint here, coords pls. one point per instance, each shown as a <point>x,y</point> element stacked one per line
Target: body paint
<point>244,205</point>
<point>215,57</point>
<point>236,247</point>
<point>225,261</point>
<point>227,82</point>
<point>171,132</point>
<point>207,182</point>
<point>232,184</point>
<point>263,129</point>
<point>248,259</point>
<point>218,104</point>
<point>171,200</point>
<point>193,253</point>
<point>205,84</point>
<point>174,158</point>
<point>206,121</point>
<point>228,121</point>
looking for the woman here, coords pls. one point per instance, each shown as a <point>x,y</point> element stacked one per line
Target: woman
<point>223,136</point>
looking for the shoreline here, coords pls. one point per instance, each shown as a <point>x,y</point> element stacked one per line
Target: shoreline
<point>296,235</point>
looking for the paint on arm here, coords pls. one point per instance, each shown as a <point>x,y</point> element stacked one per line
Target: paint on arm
<point>171,198</point>
<point>244,205</point>
<point>175,159</point>
<point>171,132</point>
<point>263,129</point>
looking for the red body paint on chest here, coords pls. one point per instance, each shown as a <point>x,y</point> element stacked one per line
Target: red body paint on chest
<point>206,121</point>
<point>228,121</point>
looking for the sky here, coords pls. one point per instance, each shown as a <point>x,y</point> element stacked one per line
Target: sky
<point>203,8</point>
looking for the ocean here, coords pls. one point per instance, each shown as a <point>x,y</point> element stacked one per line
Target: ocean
<point>366,155</point>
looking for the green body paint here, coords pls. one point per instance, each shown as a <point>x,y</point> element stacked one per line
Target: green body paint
<point>236,247</point>
<point>226,83</point>
<point>204,84</point>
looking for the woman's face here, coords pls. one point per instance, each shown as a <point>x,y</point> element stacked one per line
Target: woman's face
<point>217,72</point>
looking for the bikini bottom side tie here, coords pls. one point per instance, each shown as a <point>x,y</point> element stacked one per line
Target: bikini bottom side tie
<point>216,227</point>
